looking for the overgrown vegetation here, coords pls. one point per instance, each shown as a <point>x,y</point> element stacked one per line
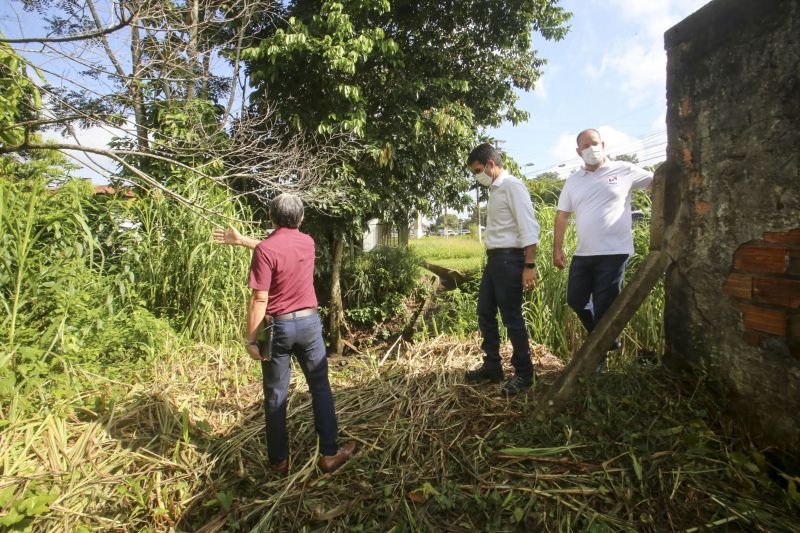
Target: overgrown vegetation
<point>378,283</point>
<point>104,282</point>
<point>126,400</point>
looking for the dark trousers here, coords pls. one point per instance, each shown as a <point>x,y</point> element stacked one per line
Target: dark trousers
<point>598,277</point>
<point>303,338</point>
<point>501,288</point>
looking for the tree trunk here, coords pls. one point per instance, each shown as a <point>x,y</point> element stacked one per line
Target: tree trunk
<point>336,315</point>
<point>194,18</point>
<point>137,97</point>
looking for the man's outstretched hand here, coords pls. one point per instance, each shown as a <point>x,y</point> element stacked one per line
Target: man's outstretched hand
<point>227,236</point>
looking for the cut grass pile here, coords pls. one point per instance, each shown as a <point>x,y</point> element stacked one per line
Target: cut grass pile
<point>184,449</point>
<point>457,252</point>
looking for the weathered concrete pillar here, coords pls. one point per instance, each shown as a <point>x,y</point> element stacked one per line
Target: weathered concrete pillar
<point>732,208</point>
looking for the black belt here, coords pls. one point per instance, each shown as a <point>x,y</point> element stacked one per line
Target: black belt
<point>296,314</point>
<point>497,251</point>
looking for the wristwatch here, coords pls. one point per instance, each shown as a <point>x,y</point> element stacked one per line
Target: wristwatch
<point>530,265</point>
<point>251,343</point>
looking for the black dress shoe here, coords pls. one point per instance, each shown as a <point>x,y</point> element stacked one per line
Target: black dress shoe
<point>515,385</point>
<point>484,373</point>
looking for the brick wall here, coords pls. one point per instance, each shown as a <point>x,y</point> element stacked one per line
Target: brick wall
<point>765,284</point>
<point>732,209</point>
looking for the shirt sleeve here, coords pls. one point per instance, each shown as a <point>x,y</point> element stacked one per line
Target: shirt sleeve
<point>261,270</point>
<point>564,200</point>
<point>522,207</point>
<point>640,178</point>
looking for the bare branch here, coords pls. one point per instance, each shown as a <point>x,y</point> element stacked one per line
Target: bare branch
<point>70,38</point>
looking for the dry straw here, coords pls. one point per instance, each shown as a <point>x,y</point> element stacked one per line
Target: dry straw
<point>184,451</point>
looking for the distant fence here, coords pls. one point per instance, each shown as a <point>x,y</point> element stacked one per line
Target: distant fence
<point>383,234</point>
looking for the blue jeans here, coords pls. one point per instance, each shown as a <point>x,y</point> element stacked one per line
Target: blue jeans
<point>598,277</point>
<point>501,288</point>
<point>303,338</point>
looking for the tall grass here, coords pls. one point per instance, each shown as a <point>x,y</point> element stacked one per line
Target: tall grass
<point>462,253</point>
<point>104,283</point>
<point>179,272</point>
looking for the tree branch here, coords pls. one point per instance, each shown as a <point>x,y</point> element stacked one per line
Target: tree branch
<point>70,38</point>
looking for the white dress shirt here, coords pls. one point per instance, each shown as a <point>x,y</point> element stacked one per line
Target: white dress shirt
<point>601,203</point>
<point>510,219</point>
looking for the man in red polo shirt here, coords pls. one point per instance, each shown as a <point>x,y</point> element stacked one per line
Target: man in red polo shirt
<point>282,280</point>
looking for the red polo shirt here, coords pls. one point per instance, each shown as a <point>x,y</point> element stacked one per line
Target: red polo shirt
<point>283,265</point>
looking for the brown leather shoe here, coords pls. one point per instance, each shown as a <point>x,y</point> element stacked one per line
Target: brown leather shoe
<point>280,468</point>
<point>330,463</point>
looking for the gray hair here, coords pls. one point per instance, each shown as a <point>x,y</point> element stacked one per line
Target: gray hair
<point>286,210</point>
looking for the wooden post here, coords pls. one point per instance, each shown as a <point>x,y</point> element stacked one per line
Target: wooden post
<point>589,355</point>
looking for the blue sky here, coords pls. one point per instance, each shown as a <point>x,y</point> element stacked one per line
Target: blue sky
<point>609,72</point>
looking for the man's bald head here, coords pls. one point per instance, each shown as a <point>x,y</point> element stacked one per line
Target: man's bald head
<point>587,131</point>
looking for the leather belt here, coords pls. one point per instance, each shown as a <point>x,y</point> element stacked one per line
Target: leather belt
<point>296,314</point>
<point>497,251</point>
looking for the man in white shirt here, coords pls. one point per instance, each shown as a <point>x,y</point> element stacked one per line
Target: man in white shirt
<point>512,232</point>
<point>599,195</point>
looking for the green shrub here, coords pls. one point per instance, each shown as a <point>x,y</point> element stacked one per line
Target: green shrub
<point>376,284</point>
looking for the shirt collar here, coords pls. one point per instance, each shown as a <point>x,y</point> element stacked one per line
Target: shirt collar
<point>281,229</point>
<point>605,164</point>
<point>499,179</point>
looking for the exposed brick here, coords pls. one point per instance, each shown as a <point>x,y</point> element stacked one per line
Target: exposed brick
<point>785,292</point>
<point>794,328</point>
<point>770,321</point>
<point>739,286</point>
<point>783,237</point>
<point>752,338</point>
<point>701,207</point>
<point>683,110</point>
<point>761,259</point>
<point>794,262</point>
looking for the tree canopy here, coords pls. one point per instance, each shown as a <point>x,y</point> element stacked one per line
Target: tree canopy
<point>412,81</point>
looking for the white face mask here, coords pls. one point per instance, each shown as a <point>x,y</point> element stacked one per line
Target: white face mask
<point>483,178</point>
<point>593,155</point>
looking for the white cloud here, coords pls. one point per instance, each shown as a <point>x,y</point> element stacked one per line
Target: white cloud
<point>636,62</point>
<point>93,166</point>
<point>540,89</point>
